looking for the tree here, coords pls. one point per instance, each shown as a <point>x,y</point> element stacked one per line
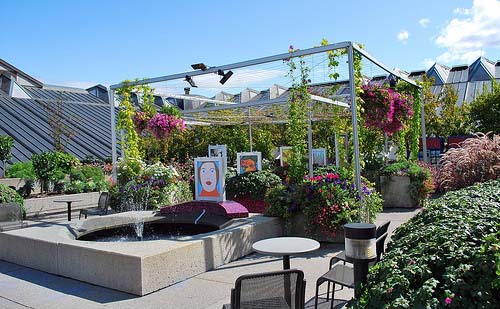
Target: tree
<point>431,104</point>
<point>485,110</point>
<point>455,120</point>
<point>6,143</point>
<point>60,131</point>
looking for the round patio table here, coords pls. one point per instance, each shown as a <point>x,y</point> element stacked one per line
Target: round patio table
<point>285,246</point>
<point>68,201</point>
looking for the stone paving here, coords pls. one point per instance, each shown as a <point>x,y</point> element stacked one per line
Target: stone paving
<point>22,287</point>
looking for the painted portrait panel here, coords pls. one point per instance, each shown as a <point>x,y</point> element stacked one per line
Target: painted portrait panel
<point>248,162</point>
<point>209,179</point>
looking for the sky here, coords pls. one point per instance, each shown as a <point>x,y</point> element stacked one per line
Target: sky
<point>82,43</point>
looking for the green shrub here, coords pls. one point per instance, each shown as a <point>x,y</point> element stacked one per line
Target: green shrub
<point>52,166</point>
<point>253,184</point>
<point>22,170</point>
<point>6,143</point>
<point>8,195</point>
<point>447,255</point>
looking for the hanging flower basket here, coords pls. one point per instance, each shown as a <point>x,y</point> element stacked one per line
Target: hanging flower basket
<point>141,121</point>
<point>384,108</point>
<point>161,125</point>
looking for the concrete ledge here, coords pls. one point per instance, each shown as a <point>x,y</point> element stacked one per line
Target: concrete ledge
<point>133,267</point>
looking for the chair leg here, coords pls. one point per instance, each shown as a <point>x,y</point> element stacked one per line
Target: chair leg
<point>318,283</point>
<point>86,215</point>
<point>328,291</point>
<point>80,215</point>
<point>333,296</point>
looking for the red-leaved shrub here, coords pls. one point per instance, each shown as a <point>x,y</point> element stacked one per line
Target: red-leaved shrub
<point>476,160</point>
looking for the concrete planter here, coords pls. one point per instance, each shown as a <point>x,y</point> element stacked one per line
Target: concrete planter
<point>46,205</point>
<point>298,228</point>
<point>12,182</point>
<point>395,192</point>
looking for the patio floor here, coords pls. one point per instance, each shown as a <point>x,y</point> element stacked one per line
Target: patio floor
<point>22,287</point>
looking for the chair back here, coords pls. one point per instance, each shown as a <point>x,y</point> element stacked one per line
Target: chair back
<point>102,204</point>
<point>382,229</point>
<point>380,245</point>
<point>270,290</point>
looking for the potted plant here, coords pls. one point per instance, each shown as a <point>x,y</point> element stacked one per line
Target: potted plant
<point>405,184</point>
<point>250,188</point>
<point>322,204</point>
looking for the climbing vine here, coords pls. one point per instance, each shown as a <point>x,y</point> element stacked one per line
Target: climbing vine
<point>298,101</point>
<point>130,142</point>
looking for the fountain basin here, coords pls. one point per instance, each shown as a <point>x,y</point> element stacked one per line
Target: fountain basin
<point>134,267</point>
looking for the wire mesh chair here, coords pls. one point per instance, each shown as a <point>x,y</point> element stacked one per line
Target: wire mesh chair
<point>279,289</point>
<point>343,274</point>
<point>101,209</point>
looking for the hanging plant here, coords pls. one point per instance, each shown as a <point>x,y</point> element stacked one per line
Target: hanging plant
<point>141,121</point>
<point>161,125</point>
<point>384,108</point>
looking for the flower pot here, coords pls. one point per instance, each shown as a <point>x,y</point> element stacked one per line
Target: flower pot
<point>395,192</point>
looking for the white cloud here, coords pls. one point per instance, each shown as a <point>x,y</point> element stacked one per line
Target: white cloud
<point>467,35</point>
<point>424,22</point>
<point>403,36</point>
<point>461,11</point>
<point>428,63</point>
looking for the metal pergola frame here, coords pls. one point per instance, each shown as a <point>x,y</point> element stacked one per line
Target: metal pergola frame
<point>351,47</point>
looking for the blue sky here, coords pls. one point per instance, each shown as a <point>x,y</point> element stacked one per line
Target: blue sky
<point>80,43</point>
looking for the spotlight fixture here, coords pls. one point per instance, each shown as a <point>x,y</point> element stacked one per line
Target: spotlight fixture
<point>190,81</point>
<point>199,66</point>
<point>392,81</point>
<point>225,76</point>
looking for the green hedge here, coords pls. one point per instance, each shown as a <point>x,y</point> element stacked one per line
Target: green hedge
<point>446,256</point>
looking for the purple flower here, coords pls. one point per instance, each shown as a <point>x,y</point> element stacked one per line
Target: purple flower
<point>447,300</point>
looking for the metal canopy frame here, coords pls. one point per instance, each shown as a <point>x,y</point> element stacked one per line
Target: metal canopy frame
<point>349,46</point>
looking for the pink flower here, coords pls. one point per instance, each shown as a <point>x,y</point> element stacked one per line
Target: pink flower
<point>447,300</point>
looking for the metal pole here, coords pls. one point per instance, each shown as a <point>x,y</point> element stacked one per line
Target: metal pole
<point>363,215</point>
<point>424,133</point>
<point>336,142</point>
<point>111,96</point>
<point>250,131</point>
<point>309,139</point>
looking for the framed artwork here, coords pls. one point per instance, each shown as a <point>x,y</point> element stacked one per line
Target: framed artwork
<point>319,156</point>
<point>209,179</point>
<point>218,151</point>
<point>248,162</point>
<point>285,152</point>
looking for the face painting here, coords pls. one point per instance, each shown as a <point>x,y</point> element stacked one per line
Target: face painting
<point>208,176</point>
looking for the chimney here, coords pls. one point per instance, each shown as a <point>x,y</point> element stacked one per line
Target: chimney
<point>186,90</point>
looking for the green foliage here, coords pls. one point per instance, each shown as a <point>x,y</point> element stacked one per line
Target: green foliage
<point>298,101</point>
<point>86,179</point>
<point>253,184</point>
<point>6,143</point>
<point>129,169</point>
<point>52,166</point>
<point>130,143</point>
<point>447,255</point>
<point>170,110</point>
<point>8,195</point>
<point>421,182</point>
<point>485,109</point>
<point>23,170</point>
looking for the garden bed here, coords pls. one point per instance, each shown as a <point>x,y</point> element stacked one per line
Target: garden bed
<point>447,255</point>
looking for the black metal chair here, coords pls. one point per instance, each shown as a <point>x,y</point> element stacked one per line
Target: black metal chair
<point>279,289</point>
<point>101,209</point>
<point>343,274</point>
